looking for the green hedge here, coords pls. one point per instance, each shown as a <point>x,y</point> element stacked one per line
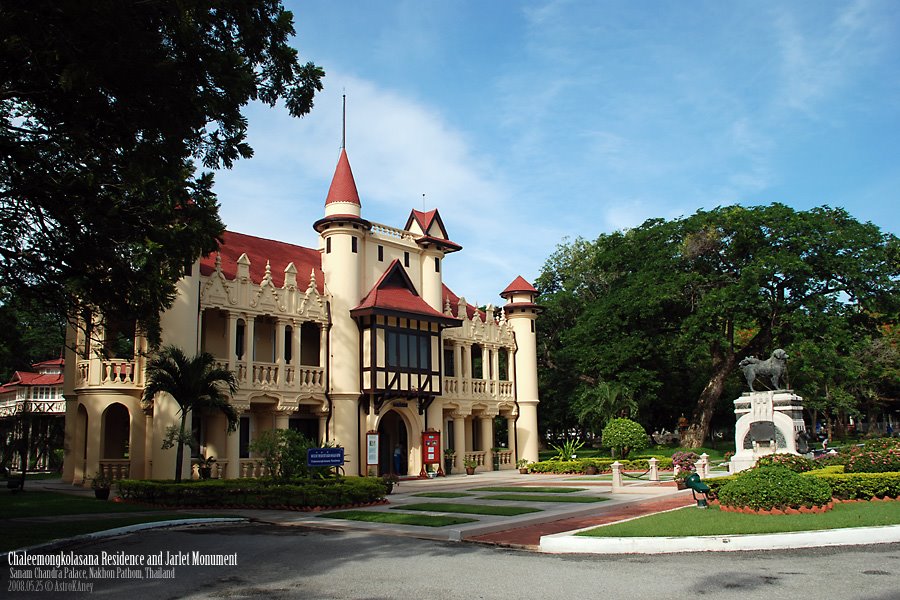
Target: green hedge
<point>771,487</point>
<point>794,462</point>
<point>604,465</point>
<point>846,486</point>
<point>877,461</point>
<point>256,493</point>
<point>863,486</point>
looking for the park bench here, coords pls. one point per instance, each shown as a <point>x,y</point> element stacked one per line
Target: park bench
<point>698,487</point>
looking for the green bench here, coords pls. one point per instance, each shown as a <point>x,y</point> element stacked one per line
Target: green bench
<point>698,487</point>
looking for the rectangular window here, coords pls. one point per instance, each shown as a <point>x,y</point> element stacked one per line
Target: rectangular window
<point>380,253</point>
<point>437,264</point>
<point>406,259</point>
<point>354,245</point>
<point>408,350</point>
<point>327,245</point>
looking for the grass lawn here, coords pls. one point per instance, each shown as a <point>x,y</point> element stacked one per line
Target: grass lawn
<point>542,498</point>
<point>397,518</point>
<point>44,504</point>
<point>530,489</point>
<point>469,509</point>
<point>441,495</point>
<point>693,521</point>
<point>21,535</point>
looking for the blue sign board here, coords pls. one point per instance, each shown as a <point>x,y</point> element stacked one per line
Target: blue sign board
<point>325,457</point>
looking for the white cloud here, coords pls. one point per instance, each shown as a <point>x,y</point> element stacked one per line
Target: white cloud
<point>398,150</point>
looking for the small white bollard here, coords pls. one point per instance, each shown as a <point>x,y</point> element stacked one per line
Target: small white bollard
<point>654,470</point>
<point>703,465</point>
<point>616,476</point>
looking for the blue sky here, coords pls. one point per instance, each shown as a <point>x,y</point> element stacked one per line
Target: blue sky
<point>526,122</point>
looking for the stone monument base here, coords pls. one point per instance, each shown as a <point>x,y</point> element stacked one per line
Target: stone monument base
<point>767,423</point>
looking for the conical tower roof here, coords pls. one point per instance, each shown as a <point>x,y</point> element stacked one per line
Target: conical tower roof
<point>343,186</point>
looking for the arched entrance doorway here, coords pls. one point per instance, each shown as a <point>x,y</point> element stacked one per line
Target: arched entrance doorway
<point>393,434</point>
<point>116,432</point>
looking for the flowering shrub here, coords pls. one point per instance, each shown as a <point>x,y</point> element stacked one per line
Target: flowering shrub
<point>880,444</point>
<point>885,461</point>
<point>685,461</point>
<point>794,462</point>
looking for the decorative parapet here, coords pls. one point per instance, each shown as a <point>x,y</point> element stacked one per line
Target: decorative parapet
<point>388,231</point>
<point>265,298</point>
<point>113,373</point>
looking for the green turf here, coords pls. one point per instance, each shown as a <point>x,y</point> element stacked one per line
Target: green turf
<point>529,489</point>
<point>694,521</point>
<point>469,509</point>
<point>22,535</point>
<point>42,504</point>
<point>441,495</point>
<point>542,498</point>
<point>397,518</point>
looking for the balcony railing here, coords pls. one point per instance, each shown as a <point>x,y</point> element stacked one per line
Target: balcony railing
<point>113,372</point>
<point>459,387</point>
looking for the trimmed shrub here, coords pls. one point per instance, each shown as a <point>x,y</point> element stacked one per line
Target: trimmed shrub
<point>794,462</point>
<point>625,435</point>
<point>604,465</point>
<point>879,461</point>
<point>255,493</point>
<point>862,486</point>
<point>774,487</point>
<point>880,444</point>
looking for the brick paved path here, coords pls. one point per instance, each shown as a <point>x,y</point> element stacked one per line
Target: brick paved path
<point>530,536</point>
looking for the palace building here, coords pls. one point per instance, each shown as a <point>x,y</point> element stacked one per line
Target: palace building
<point>354,338</point>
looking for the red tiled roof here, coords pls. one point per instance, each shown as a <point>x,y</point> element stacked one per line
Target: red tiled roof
<point>448,294</point>
<point>260,250</point>
<point>31,379</point>
<point>425,221</point>
<point>518,285</point>
<point>50,363</point>
<point>343,186</point>
<point>394,291</point>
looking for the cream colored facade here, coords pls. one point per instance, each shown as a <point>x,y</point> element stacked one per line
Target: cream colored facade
<point>358,335</point>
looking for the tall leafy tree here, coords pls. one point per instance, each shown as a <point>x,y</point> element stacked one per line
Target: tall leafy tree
<point>196,384</point>
<point>671,307</point>
<point>106,106</point>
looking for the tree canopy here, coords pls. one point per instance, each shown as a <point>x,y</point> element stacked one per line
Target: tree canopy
<point>668,309</point>
<point>106,107</point>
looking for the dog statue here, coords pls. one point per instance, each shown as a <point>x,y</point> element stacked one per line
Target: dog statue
<point>773,368</point>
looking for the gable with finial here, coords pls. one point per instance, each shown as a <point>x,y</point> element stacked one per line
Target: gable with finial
<point>267,294</point>
<point>217,290</point>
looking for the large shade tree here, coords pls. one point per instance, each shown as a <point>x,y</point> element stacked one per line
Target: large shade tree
<point>106,107</point>
<point>196,384</point>
<point>670,308</point>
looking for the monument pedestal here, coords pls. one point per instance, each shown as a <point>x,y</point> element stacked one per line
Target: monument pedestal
<point>767,423</point>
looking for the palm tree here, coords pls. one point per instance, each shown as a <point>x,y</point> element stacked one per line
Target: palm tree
<point>195,384</point>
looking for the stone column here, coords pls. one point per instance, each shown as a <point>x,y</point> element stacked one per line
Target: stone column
<point>232,340</point>
<point>323,345</point>
<point>233,449</point>
<point>487,440</point>
<point>280,326</point>
<point>654,469</point>
<point>323,424</point>
<point>249,345</point>
<point>459,440</point>
<point>511,436</point>
<point>282,419</point>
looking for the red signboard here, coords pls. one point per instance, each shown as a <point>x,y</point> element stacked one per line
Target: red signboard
<point>431,452</point>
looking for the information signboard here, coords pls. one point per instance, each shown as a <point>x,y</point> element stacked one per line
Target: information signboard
<point>372,448</point>
<point>325,457</point>
<point>431,451</point>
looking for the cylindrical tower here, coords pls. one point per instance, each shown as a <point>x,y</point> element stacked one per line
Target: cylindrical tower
<point>521,313</point>
<point>342,234</point>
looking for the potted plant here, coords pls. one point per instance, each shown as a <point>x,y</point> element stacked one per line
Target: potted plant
<point>204,467</point>
<point>522,464</point>
<point>470,465</point>
<point>390,480</point>
<point>449,457</point>
<point>101,484</point>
